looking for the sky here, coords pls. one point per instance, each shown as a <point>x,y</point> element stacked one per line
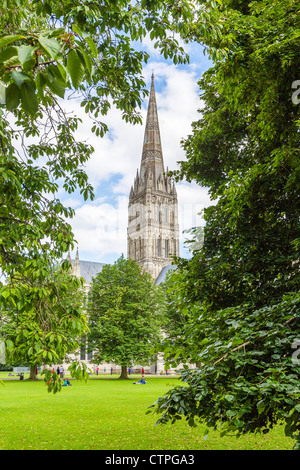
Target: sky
<point>100,226</point>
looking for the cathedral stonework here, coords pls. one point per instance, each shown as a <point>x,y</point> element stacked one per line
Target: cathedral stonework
<point>153,231</point>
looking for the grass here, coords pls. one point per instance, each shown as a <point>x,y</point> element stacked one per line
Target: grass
<point>106,414</point>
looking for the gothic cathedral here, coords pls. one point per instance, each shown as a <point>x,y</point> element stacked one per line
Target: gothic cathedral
<point>153,231</point>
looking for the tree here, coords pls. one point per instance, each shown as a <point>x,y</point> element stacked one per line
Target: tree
<point>242,287</point>
<point>179,322</point>
<point>50,50</point>
<point>124,311</point>
<point>46,325</point>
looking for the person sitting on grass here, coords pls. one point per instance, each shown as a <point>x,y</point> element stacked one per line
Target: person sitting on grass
<point>66,382</point>
<point>142,381</point>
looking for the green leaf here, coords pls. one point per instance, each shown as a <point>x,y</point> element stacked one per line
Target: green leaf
<point>5,40</point>
<point>5,294</point>
<point>57,72</point>
<point>75,68</point>
<point>40,81</point>
<point>51,46</point>
<point>62,71</point>
<point>9,345</point>
<point>261,406</point>
<point>2,94</point>
<point>12,96</point>
<point>92,46</point>
<point>229,398</point>
<point>25,53</point>
<point>87,61</point>
<point>76,29</point>
<point>56,87</point>
<point>28,98</point>
<point>8,53</point>
<point>231,413</point>
<point>20,77</point>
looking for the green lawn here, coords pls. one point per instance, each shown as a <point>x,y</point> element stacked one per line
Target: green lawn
<point>105,414</point>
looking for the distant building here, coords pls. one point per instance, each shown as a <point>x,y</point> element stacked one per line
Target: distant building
<point>153,231</point>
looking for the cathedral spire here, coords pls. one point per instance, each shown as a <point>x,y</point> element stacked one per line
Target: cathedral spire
<point>152,156</point>
<point>76,267</point>
<point>153,230</point>
<point>69,258</point>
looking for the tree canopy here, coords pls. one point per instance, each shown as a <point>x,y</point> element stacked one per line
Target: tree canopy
<point>42,323</point>
<point>124,311</point>
<point>242,286</point>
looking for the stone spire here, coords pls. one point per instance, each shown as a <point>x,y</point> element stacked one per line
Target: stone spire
<point>76,267</point>
<point>152,163</point>
<point>69,258</point>
<point>153,231</point>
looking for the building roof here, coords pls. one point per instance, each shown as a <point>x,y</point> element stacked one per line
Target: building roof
<point>90,269</point>
<point>163,274</point>
<point>87,269</point>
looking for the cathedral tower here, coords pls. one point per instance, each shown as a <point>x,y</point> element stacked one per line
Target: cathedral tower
<point>153,232</point>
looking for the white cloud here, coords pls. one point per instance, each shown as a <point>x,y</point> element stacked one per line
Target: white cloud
<point>100,230</point>
<point>192,199</point>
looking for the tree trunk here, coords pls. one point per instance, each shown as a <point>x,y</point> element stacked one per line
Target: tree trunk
<point>32,375</point>
<point>124,373</point>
